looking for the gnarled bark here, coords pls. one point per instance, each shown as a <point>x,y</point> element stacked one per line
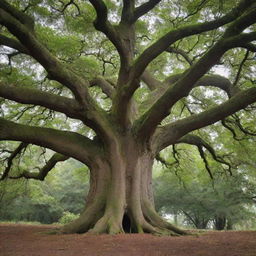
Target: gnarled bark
<point>120,197</point>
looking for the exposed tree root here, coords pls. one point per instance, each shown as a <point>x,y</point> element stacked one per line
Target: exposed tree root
<point>153,217</point>
<point>107,224</point>
<point>94,221</point>
<point>86,220</point>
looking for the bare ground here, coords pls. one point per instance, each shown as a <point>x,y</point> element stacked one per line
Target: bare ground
<point>28,240</point>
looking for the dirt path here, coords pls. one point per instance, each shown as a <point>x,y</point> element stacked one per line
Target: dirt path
<point>27,240</point>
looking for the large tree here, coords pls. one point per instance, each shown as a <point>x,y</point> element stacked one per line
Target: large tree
<point>166,50</point>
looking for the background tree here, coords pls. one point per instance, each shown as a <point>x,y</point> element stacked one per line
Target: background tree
<point>152,61</point>
<point>61,195</point>
<point>202,204</point>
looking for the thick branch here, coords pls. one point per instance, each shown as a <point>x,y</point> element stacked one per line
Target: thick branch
<point>56,70</point>
<point>127,11</point>
<point>171,133</point>
<point>102,24</point>
<point>67,143</point>
<point>150,81</point>
<point>174,35</point>
<point>102,13</point>
<point>56,158</point>
<point>217,81</point>
<point>24,95</point>
<point>139,66</point>
<point>161,108</point>
<point>53,66</point>
<point>143,9</point>
<point>251,47</point>
<point>20,16</point>
<point>12,43</point>
<point>105,86</point>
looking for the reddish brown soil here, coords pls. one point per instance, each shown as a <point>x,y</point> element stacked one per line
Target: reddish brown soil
<point>27,240</point>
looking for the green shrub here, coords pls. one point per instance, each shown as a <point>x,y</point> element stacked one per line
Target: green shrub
<point>67,217</point>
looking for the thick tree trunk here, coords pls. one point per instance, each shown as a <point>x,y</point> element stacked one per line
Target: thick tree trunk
<point>220,222</point>
<point>120,197</point>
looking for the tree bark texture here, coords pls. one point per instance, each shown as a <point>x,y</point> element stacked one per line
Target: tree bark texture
<point>120,197</point>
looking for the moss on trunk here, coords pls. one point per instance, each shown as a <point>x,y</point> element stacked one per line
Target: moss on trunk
<point>120,197</point>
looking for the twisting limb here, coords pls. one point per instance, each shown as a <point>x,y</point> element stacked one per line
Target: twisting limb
<point>207,80</point>
<point>225,122</point>
<point>14,154</point>
<point>238,124</point>
<point>56,158</point>
<point>166,163</point>
<point>102,24</point>
<point>217,81</point>
<point>228,122</point>
<point>201,152</point>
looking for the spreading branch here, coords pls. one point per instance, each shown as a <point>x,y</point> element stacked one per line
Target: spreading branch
<point>154,116</point>
<point>225,123</point>
<point>159,88</point>
<point>172,132</point>
<point>56,158</point>
<point>56,70</point>
<point>102,24</point>
<point>160,109</point>
<point>24,95</point>
<point>143,9</point>
<point>236,122</point>
<point>63,142</point>
<point>213,80</point>
<point>174,35</point>
<point>12,43</point>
